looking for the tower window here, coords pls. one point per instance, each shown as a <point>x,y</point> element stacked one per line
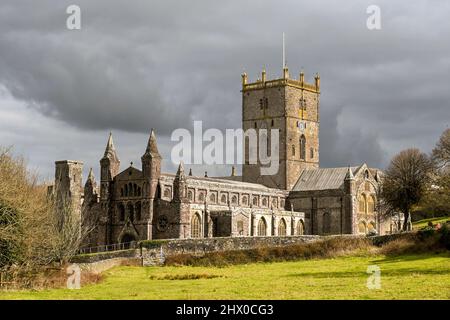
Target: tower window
<point>293,150</point>
<point>261,104</point>
<point>312,153</point>
<point>272,122</point>
<point>302,147</point>
<point>256,126</point>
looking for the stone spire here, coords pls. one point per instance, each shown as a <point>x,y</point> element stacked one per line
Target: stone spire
<point>152,146</point>
<point>91,176</point>
<point>110,150</point>
<point>180,171</point>
<point>349,175</point>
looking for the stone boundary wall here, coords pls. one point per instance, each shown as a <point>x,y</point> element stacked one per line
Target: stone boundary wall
<point>154,252</point>
<point>103,265</point>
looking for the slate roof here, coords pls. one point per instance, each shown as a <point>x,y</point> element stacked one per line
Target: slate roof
<point>322,179</point>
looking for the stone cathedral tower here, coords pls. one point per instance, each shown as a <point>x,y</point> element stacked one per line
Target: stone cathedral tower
<point>291,106</point>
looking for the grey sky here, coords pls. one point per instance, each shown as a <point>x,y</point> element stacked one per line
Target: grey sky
<point>135,65</point>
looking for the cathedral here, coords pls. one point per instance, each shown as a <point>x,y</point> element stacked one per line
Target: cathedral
<point>302,198</point>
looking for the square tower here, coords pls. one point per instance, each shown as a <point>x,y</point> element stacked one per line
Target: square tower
<point>292,107</point>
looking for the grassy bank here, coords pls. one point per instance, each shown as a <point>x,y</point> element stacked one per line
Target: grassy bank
<point>419,276</point>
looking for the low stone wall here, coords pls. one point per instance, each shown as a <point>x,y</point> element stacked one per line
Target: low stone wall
<point>95,257</point>
<point>103,265</point>
<point>155,252</point>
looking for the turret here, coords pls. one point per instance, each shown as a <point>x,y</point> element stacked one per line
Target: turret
<point>90,188</point>
<point>179,184</point>
<point>349,181</point>
<point>151,165</point>
<point>109,168</point>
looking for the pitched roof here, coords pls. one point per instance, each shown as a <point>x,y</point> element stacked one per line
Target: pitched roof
<point>322,179</point>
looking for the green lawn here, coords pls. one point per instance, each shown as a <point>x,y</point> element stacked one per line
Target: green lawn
<point>406,277</point>
<point>424,222</point>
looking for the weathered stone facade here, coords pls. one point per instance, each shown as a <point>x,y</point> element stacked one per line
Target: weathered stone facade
<point>300,199</point>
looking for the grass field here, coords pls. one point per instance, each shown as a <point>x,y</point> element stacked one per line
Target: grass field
<point>423,223</point>
<point>424,276</point>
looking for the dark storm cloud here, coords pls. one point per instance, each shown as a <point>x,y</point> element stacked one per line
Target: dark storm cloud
<point>142,64</point>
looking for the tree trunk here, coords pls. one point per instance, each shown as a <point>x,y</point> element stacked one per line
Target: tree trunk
<point>406,215</point>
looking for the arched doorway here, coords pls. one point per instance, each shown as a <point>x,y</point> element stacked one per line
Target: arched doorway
<point>262,227</point>
<point>127,240</point>
<point>300,228</point>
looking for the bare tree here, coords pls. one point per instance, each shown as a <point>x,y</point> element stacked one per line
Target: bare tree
<point>405,182</point>
<point>441,153</point>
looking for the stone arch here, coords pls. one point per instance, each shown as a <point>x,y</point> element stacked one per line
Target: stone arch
<point>196,226</point>
<point>362,227</point>
<point>262,227</point>
<point>300,228</point>
<point>282,227</point>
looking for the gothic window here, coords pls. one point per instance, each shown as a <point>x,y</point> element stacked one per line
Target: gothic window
<point>262,227</point>
<point>190,195</point>
<point>311,151</point>
<point>212,198</point>
<point>245,200</point>
<point>138,211</point>
<point>130,189</point>
<point>201,197</point>
<point>195,226</point>
<point>362,204</point>
<point>240,227</point>
<point>121,192</point>
<point>223,199</point>
<point>282,203</point>
<point>302,147</point>
<point>166,193</point>
<point>121,210</point>
<point>282,227</point>
<point>367,186</point>
<point>366,174</point>
<point>234,200</point>
<point>126,191</point>
<point>362,227</point>
<point>255,201</point>
<point>135,190</point>
<point>130,212</point>
<point>370,204</point>
<point>326,223</point>
<point>274,203</point>
<point>300,228</point>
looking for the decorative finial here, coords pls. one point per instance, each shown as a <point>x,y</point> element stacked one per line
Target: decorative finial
<point>190,171</point>
<point>263,74</point>
<point>233,171</point>
<point>131,163</point>
<point>317,79</point>
<point>206,174</point>
<point>244,78</point>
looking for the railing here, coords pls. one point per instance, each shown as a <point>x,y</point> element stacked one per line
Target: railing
<point>109,247</point>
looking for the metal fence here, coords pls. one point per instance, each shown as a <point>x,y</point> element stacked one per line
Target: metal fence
<point>109,247</point>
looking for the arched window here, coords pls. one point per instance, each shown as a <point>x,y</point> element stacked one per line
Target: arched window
<point>274,203</point>
<point>282,227</point>
<point>255,201</point>
<point>311,153</point>
<point>240,227</point>
<point>264,202</point>
<point>370,204</point>
<point>293,150</point>
<point>362,204</point>
<point>212,198</point>
<point>137,209</point>
<point>135,190</point>
<point>195,226</point>
<point>262,227</point>
<point>300,228</point>
<point>302,147</point>
<point>223,199</point>
<point>139,191</point>
<point>326,223</point>
<point>201,197</point>
<point>126,191</point>
<point>130,190</point>
<point>190,195</point>
<point>362,227</point>
<point>121,210</point>
<point>245,200</point>
<point>130,212</point>
<point>121,192</point>
<point>234,200</point>
<point>371,226</point>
